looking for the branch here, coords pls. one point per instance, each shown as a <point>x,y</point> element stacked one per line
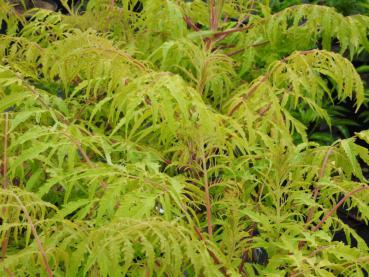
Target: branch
<point>339,204</point>
<point>213,16</point>
<point>335,208</point>
<point>245,253</point>
<point>4,243</point>
<point>312,254</point>
<point>265,78</point>
<point>317,189</point>
<point>244,259</point>
<point>37,238</point>
<point>213,23</point>
<point>231,31</point>
<point>249,93</point>
<point>207,195</point>
<point>235,52</point>
<point>5,155</point>
<point>325,162</point>
<point>242,20</point>
<point>211,253</point>
<point>65,121</point>
<point>190,23</point>
<point>87,159</point>
<point>262,111</point>
<point>316,192</point>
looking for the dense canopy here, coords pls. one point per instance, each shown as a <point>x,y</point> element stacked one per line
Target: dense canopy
<point>173,138</point>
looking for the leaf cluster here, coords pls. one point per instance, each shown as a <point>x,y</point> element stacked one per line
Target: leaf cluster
<point>171,141</point>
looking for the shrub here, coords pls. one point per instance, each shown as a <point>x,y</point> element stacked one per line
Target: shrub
<point>173,140</point>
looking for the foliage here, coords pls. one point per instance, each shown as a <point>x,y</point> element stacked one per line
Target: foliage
<point>346,7</point>
<point>173,141</point>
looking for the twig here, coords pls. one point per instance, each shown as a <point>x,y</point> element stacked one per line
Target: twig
<point>319,249</point>
<point>159,265</point>
<point>295,274</point>
<point>325,162</point>
<point>262,111</point>
<point>4,243</point>
<point>213,16</point>
<point>316,192</point>
<point>249,93</point>
<point>65,121</point>
<point>339,204</point>
<point>245,253</point>
<point>241,21</point>
<point>37,238</point>
<point>329,214</point>
<point>40,99</point>
<point>5,156</point>
<point>235,52</point>
<point>87,159</point>
<point>312,254</point>
<point>132,60</point>
<point>232,30</point>
<point>255,86</point>
<point>213,23</point>
<point>208,208</point>
<point>211,253</point>
<point>190,23</point>
<point>317,189</point>
<point>223,34</point>
<point>207,195</point>
<point>243,261</point>
<point>147,271</point>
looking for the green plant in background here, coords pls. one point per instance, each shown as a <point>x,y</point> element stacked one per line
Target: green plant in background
<point>174,141</point>
<point>344,121</point>
<point>346,7</point>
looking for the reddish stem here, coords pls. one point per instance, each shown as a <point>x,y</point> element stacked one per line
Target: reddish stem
<point>65,121</point>
<point>208,210</point>
<point>316,192</point>
<point>213,16</point>
<point>330,213</point>
<point>249,93</point>
<point>207,197</point>
<point>245,253</point>
<point>4,243</point>
<point>317,189</point>
<point>190,23</point>
<point>235,52</point>
<point>255,86</point>
<point>37,238</point>
<point>339,204</point>
<point>211,253</point>
<point>5,160</point>
<point>223,34</point>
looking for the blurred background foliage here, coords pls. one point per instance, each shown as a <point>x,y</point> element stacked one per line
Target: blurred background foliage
<point>345,120</point>
<point>346,7</point>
